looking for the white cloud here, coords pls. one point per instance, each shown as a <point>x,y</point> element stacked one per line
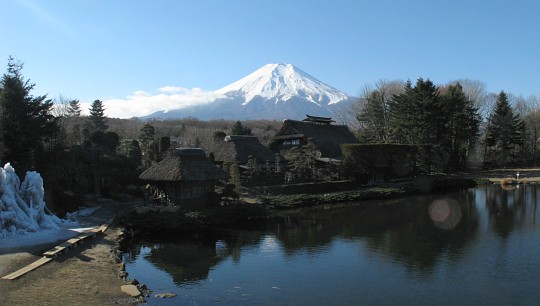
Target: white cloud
<point>141,103</point>
<point>171,89</point>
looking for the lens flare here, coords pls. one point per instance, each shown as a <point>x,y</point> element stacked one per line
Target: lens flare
<point>445,213</point>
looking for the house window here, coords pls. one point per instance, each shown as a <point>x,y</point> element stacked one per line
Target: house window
<point>291,143</point>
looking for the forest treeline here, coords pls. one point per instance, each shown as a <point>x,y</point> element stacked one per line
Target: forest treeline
<point>452,126</point>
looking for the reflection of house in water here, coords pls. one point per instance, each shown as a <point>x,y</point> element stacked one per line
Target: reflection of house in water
<point>325,136</point>
<point>185,176</point>
<point>239,148</point>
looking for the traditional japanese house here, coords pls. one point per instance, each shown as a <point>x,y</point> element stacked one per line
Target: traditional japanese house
<point>325,136</point>
<point>240,148</point>
<point>183,177</point>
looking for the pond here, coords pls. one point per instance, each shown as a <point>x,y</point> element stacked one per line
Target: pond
<point>478,246</point>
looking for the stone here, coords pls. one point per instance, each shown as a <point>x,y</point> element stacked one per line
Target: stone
<point>131,290</point>
<point>133,282</point>
<point>165,295</point>
<point>122,266</point>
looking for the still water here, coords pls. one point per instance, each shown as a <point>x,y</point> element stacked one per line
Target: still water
<point>479,246</point>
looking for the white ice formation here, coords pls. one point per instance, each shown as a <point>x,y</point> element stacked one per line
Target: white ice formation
<point>22,208</point>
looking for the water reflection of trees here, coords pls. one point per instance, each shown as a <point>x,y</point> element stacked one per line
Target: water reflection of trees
<point>509,208</point>
<point>418,243</point>
<point>400,229</point>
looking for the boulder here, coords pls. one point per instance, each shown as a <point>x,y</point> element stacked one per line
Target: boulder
<point>131,290</point>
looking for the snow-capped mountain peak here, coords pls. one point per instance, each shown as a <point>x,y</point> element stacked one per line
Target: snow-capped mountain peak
<point>281,82</point>
<point>274,92</point>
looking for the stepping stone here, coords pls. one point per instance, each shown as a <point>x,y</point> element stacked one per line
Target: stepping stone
<point>131,290</point>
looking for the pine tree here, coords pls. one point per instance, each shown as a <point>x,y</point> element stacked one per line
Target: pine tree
<point>130,148</point>
<point>97,116</point>
<point>26,122</point>
<point>417,118</point>
<point>146,139</point>
<point>74,122</point>
<point>415,114</point>
<point>462,125</point>
<point>74,108</point>
<point>147,134</point>
<point>504,134</point>
<point>239,129</point>
<point>444,127</point>
<point>373,118</point>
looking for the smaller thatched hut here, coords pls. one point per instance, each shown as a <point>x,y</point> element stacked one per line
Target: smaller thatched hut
<point>239,148</point>
<point>185,176</point>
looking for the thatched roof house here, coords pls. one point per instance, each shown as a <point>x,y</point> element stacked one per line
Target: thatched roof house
<point>238,148</point>
<point>186,174</point>
<point>326,137</point>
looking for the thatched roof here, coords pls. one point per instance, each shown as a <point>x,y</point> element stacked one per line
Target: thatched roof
<point>188,164</point>
<point>319,120</point>
<point>326,137</point>
<point>238,148</point>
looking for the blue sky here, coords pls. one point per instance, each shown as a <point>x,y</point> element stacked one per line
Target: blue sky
<point>121,49</point>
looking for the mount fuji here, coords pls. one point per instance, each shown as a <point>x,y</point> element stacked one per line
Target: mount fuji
<point>274,91</point>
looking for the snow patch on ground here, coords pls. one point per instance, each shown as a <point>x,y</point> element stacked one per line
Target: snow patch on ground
<point>63,232</point>
<point>82,213</point>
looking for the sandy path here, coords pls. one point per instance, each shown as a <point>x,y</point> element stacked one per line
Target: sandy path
<point>84,275</point>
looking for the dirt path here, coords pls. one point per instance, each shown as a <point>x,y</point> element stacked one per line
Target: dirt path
<point>84,275</point>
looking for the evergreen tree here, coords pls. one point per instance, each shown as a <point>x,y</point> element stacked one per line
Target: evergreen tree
<point>219,136</point>
<point>97,116</point>
<point>146,139</point>
<point>105,140</point>
<point>74,108</point>
<point>147,134</point>
<point>26,122</point>
<point>130,148</point>
<point>462,124</point>
<point>417,118</point>
<point>239,129</point>
<point>301,161</point>
<point>444,127</point>
<point>74,122</point>
<point>373,119</point>
<point>504,134</point>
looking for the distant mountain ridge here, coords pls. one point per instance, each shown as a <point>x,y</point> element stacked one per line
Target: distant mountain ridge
<point>274,91</point>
